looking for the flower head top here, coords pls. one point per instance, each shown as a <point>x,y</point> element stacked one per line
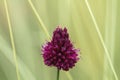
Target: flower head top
<point>59,52</point>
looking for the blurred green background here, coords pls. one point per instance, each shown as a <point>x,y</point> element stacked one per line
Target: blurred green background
<point>29,35</point>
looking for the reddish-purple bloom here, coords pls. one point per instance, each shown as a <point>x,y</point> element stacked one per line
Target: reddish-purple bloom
<point>59,52</point>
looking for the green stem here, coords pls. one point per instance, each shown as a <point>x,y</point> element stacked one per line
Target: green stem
<point>58,73</point>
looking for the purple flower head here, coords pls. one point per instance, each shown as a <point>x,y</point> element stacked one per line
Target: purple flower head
<point>59,52</point>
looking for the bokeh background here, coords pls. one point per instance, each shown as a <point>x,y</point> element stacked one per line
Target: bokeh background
<point>30,22</point>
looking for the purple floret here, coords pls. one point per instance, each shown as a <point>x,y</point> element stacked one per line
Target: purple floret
<point>59,52</point>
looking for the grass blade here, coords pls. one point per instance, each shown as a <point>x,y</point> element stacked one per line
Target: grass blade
<point>110,29</point>
<point>101,39</point>
<point>69,76</point>
<point>23,68</point>
<point>39,18</point>
<point>12,39</point>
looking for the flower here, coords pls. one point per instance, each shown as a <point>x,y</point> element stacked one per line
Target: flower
<point>59,52</point>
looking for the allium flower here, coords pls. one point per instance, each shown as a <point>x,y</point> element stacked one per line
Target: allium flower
<point>59,52</point>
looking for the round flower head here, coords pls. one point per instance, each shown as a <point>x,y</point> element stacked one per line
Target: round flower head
<point>59,52</point>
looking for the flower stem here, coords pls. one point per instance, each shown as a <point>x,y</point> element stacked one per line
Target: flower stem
<point>58,73</point>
